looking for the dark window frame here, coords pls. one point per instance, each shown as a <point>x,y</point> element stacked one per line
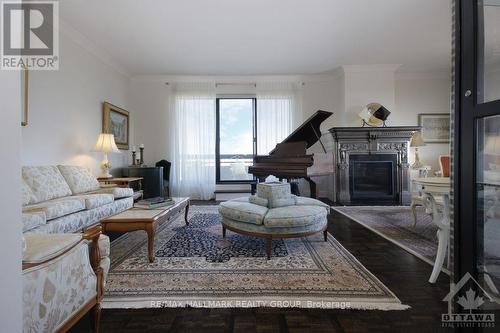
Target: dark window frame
<point>217,138</point>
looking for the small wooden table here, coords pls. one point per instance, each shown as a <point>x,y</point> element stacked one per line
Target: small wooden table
<point>134,183</point>
<point>145,219</point>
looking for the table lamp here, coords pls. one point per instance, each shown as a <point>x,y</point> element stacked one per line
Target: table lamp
<point>106,144</point>
<point>417,141</point>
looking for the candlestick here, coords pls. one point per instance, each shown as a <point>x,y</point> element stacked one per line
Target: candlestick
<point>133,157</point>
<point>134,149</point>
<point>141,155</point>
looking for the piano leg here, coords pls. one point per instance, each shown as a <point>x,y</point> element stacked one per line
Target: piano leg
<point>312,187</point>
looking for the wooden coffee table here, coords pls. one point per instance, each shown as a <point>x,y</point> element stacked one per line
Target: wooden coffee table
<point>145,219</point>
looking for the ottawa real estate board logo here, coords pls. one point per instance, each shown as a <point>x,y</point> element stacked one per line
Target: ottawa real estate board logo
<point>472,299</point>
<point>30,35</point>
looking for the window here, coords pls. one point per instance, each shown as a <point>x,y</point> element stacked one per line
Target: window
<point>236,139</point>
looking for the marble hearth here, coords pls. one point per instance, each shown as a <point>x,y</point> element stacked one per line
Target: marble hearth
<point>371,164</point>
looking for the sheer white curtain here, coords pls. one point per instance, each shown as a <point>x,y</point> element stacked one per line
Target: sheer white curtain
<point>278,110</point>
<point>193,140</point>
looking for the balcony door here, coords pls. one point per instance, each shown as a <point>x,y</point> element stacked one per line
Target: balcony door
<point>236,140</point>
<point>477,147</point>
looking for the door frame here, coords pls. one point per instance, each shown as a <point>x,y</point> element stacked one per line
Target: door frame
<point>468,108</point>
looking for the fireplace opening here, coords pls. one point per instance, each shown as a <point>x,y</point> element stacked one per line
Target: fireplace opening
<point>372,178</point>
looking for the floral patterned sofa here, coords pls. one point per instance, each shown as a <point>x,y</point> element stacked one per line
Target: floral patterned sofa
<point>66,199</point>
<point>274,213</point>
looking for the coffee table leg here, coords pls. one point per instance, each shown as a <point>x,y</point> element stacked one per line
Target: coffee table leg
<point>186,212</point>
<point>150,229</point>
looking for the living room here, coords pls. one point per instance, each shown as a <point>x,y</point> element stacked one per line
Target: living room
<point>250,166</point>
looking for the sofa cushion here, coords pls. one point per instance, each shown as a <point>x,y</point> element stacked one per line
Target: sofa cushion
<point>46,182</point>
<point>303,201</point>
<point>33,220</point>
<point>95,200</point>
<point>258,201</point>
<point>27,193</point>
<point>43,247</point>
<point>273,191</point>
<point>243,211</point>
<point>117,192</point>
<point>79,179</point>
<point>294,216</point>
<point>57,208</point>
<point>283,202</point>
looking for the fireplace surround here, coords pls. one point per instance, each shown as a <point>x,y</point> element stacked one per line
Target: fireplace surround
<point>371,164</point>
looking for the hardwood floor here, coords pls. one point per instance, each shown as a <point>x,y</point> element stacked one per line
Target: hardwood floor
<point>403,273</point>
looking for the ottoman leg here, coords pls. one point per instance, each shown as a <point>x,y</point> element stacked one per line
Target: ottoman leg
<point>223,232</point>
<point>269,247</point>
<point>325,235</point>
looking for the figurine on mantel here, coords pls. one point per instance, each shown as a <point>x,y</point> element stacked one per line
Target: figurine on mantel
<point>138,161</point>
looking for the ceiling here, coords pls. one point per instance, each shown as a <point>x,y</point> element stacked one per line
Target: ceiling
<point>264,37</point>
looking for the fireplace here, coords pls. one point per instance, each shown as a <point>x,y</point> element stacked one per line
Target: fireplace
<point>371,164</point>
<point>372,178</point>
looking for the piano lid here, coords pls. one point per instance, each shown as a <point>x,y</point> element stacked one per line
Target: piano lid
<point>309,131</point>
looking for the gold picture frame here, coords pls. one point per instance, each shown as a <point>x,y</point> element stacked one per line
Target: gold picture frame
<point>116,121</point>
<point>25,96</point>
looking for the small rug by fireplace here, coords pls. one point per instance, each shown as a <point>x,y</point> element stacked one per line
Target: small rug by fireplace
<point>395,223</point>
<point>196,267</point>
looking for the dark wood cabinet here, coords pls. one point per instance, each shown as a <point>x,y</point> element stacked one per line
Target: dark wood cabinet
<point>152,183</point>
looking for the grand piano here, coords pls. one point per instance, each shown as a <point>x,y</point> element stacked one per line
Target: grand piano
<point>289,159</point>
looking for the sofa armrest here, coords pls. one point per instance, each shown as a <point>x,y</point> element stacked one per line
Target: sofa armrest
<point>92,234</point>
<point>42,248</point>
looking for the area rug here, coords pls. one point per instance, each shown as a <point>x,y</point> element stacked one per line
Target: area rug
<point>196,267</point>
<point>395,223</point>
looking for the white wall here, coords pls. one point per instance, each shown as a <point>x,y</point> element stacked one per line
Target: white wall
<point>150,101</point>
<point>66,109</point>
<point>422,93</point>
<point>10,202</point>
<point>149,98</point>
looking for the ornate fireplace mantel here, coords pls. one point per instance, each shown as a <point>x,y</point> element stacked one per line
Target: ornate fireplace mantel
<point>346,141</point>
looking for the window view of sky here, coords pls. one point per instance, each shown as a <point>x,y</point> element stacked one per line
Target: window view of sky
<point>236,126</point>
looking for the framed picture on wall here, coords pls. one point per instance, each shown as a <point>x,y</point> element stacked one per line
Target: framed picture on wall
<point>115,120</point>
<point>435,127</point>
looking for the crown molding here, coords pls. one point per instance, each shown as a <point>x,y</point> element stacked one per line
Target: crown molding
<point>92,48</point>
<point>438,74</point>
<point>370,68</point>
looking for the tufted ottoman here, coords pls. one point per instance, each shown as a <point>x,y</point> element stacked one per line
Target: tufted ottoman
<point>274,213</point>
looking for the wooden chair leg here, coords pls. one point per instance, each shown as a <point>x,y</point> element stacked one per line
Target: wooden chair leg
<point>269,247</point>
<point>95,318</point>
<point>325,235</point>
<point>223,232</point>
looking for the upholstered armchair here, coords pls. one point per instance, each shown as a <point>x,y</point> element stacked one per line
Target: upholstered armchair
<point>63,279</point>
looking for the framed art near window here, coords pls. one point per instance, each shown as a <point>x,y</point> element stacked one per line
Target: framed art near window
<point>435,127</point>
<point>116,121</point>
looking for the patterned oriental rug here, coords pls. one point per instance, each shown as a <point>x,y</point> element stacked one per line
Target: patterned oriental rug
<point>395,223</point>
<point>196,267</point>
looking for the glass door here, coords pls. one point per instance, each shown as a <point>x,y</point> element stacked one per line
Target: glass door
<point>477,148</point>
<point>487,142</point>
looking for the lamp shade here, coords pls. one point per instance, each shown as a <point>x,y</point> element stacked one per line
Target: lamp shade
<point>374,114</point>
<point>417,140</point>
<point>106,143</point>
